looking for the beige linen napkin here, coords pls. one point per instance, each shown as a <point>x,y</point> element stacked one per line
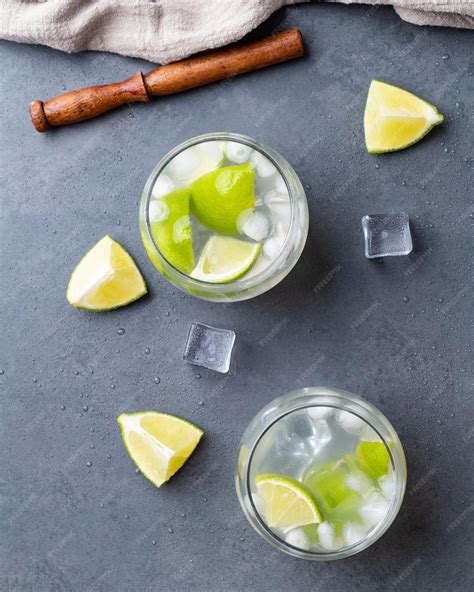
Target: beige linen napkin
<point>163,31</point>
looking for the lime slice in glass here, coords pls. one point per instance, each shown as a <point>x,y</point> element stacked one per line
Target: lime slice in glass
<point>395,118</point>
<point>105,278</point>
<point>225,259</point>
<point>158,443</point>
<point>218,198</point>
<point>171,228</point>
<point>373,458</point>
<point>286,503</point>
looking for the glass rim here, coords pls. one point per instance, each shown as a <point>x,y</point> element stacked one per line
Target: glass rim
<point>239,284</point>
<point>396,454</point>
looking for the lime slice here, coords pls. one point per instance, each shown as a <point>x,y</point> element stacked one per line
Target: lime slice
<point>218,198</point>
<point>158,443</point>
<point>373,458</point>
<point>395,118</point>
<point>224,259</point>
<point>285,502</point>
<point>171,228</point>
<point>105,278</point>
<point>328,484</point>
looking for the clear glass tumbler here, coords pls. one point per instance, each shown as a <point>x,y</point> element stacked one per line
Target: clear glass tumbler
<point>269,430</point>
<point>252,284</point>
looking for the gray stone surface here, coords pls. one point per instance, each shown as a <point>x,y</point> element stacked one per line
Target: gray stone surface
<point>396,332</point>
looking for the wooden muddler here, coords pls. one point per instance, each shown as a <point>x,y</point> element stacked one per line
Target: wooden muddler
<point>86,103</point>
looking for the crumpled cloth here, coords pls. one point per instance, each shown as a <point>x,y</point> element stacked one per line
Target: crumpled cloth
<point>163,31</point>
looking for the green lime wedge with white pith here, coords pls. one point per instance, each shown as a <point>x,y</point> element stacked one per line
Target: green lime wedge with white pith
<point>285,502</point>
<point>373,458</point>
<point>219,197</point>
<point>395,118</point>
<point>225,259</point>
<point>171,228</point>
<point>158,443</point>
<point>105,278</point>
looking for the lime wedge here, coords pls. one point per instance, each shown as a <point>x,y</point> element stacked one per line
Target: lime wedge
<point>105,278</point>
<point>171,228</point>
<point>328,484</point>
<point>158,443</point>
<point>373,458</point>
<point>285,502</point>
<point>224,259</point>
<point>395,118</point>
<point>218,198</point>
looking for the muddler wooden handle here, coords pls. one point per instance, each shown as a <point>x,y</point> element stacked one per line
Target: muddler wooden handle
<point>86,103</point>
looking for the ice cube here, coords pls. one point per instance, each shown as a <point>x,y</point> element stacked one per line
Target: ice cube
<point>237,152</point>
<point>374,509</point>
<point>369,434</point>
<point>352,533</point>
<point>386,234</point>
<point>280,185</point>
<point>280,209</point>
<point>254,224</point>
<point>327,537</point>
<point>263,167</point>
<point>297,537</point>
<point>195,161</point>
<point>298,444</point>
<point>359,482</point>
<point>209,347</point>
<point>163,185</point>
<point>158,211</point>
<point>272,246</point>
<point>387,485</point>
<point>320,412</point>
<point>350,422</point>
<point>184,164</point>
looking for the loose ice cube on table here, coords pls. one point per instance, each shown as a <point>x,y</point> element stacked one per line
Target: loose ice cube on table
<point>386,235</point>
<point>209,347</point>
<point>254,224</point>
<point>237,152</point>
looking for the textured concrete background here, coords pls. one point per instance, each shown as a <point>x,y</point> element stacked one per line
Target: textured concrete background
<point>75,515</point>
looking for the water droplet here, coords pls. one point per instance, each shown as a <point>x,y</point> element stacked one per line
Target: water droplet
<point>308,187</point>
<point>377,166</point>
<point>167,313</point>
<point>183,515</point>
<point>127,516</point>
<point>147,350</point>
<point>153,542</point>
<point>92,446</point>
<point>170,530</point>
<point>157,380</point>
<point>76,372</point>
<point>35,380</point>
<point>85,408</point>
<point>204,499</point>
<point>88,463</point>
<point>198,376</point>
<point>406,299</point>
<point>201,403</point>
<point>137,471</point>
<point>118,222</point>
<point>121,331</point>
<point>2,372</point>
<point>109,456</point>
<point>446,56</point>
<point>112,386</point>
<point>63,407</point>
